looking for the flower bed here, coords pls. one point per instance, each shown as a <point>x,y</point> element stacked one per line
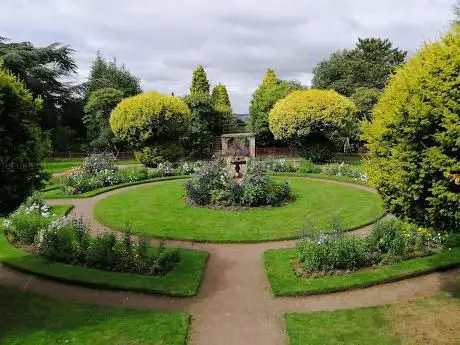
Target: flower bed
<point>99,171</point>
<point>305,166</point>
<point>390,241</point>
<point>326,262</point>
<point>68,241</point>
<point>213,186</point>
<point>37,241</point>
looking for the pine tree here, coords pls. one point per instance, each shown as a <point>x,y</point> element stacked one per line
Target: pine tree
<point>270,79</point>
<point>264,98</point>
<point>200,83</point>
<point>220,97</point>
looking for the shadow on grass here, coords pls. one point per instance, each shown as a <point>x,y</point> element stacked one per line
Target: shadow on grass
<point>27,318</point>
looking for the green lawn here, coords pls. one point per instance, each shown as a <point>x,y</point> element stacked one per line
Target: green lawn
<point>426,321</point>
<point>184,280</point>
<point>61,210</point>
<point>29,319</point>
<point>57,166</point>
<point>284,282</point>
<point>159,211</point>
<point>347,327</point>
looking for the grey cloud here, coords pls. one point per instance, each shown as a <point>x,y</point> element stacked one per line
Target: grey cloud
<point>161,42</point>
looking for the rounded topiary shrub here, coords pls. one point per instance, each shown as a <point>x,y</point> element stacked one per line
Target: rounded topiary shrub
<point>149,118</point>
<point>414,137</point>
<point>22,144</point>
<point>314,121</point>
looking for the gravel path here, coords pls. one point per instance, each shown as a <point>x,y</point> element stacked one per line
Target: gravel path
<point>234,305</point>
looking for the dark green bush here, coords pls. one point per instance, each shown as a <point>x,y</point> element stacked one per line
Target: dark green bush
<point>101,253</point>
<point>306,166</point>
<point>166,152</point>
<point>22,144</point>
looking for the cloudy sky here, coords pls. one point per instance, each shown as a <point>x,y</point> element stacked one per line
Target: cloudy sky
<point>162,41</point>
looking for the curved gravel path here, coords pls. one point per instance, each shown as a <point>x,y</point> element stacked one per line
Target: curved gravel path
<point>234,305</point>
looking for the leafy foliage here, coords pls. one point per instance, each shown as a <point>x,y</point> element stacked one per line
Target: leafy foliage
<point>413,139</point>
<point>200,83</point>
<point>152,156</point>
<point>313,117</point>
<point>98,108</point>
<point>22,144</point>
<point>365,99</point>
<point>368,65</point>
<point>264,98</point>
<point>222,107</point>
<point>104,74</point>
<point>44,71</point>
<point>389,241</point>
<point>149,118</point>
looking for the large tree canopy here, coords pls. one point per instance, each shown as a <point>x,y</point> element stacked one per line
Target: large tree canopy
<point>45,71</point>
<point>22,143</point>
<point>414,137</point>
<point>105,74</point>
<point>368,65</point>
<point>270,91</point>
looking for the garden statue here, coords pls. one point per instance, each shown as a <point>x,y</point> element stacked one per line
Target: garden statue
<point>238,148</point>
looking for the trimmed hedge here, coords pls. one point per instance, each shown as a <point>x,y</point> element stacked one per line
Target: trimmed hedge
<point>183,280</point>
<point>149,118</point>
<point>314,120</point>
<point>284,281</point>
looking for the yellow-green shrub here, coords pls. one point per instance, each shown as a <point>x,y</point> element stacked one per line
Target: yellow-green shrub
<point>414,137</point>
<point>306,117</point>
<point>148,118</point>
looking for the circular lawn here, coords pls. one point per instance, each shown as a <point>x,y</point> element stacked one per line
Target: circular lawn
<point>159,211</point>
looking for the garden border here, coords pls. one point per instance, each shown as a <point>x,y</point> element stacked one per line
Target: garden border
<point>278,261</point>
<point>185,278</point>
<point>102,190</point>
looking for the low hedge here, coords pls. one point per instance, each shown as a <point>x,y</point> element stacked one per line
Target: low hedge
<point>184,280</point>
<point>284,281</point>
<point>56,192</point>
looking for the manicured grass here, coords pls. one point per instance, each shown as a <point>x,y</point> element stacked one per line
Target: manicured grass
<point>61,210</point>
<point>160,211</point>
<point>57,166</point>
<point>426,321</point>
<point>30,319</point>
<point>284,282</point>
<point>54,191</point>
<point>358,327</point>
<point>184,280</point>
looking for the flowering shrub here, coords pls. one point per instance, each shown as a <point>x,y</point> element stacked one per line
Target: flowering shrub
<point>99,162</point>
<point>79,181</point>
<point>213,185</point>
<point>342,169</point>
<point>389,241</point>
<point>67,240</point>
<point>28,219</point>
<point>280,165</point>
<point>165,169</point>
